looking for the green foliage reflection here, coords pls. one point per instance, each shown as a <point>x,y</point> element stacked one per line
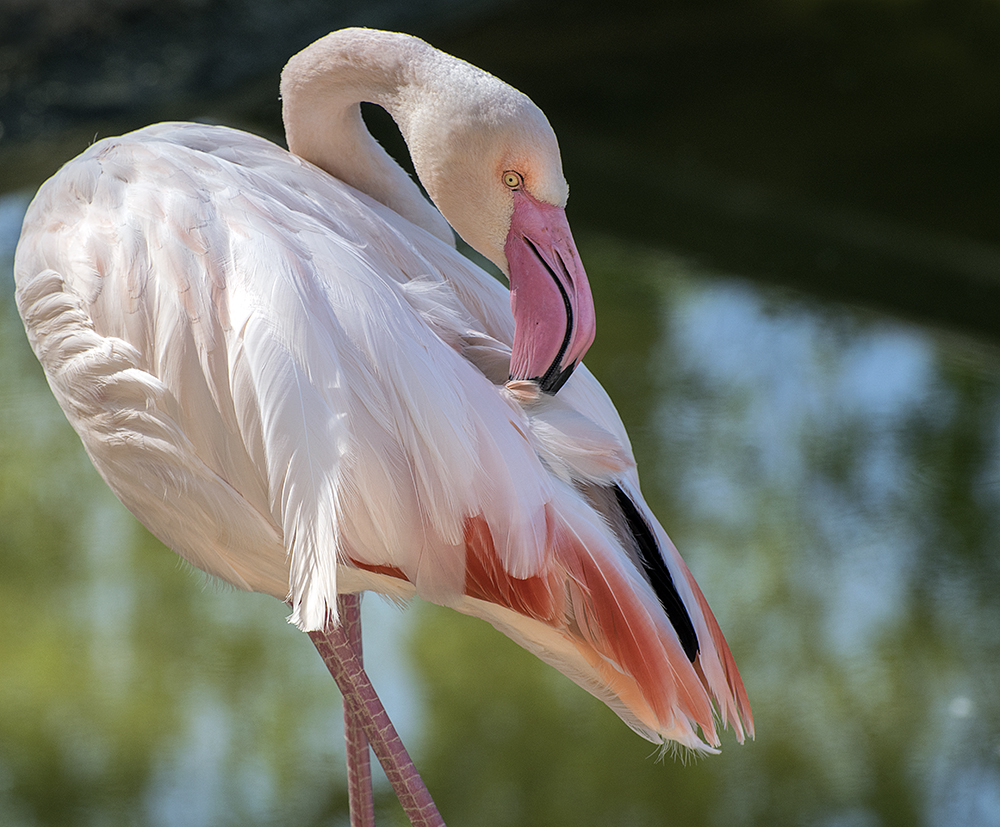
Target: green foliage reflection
<point>831,477</point>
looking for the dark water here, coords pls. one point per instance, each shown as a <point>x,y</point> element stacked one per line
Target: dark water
<point>832,477</point>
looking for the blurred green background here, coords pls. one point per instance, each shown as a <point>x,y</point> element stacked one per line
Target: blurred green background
<point>789,215</point>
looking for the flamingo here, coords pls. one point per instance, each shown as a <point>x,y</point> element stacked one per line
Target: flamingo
<point>281,365</point>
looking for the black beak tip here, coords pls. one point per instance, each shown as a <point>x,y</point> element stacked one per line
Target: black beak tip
<point>552,380</point>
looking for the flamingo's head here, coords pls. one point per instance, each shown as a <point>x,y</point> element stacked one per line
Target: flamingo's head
<point>490,162</point>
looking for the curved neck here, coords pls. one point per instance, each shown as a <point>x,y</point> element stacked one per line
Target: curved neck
<point>322,88</point>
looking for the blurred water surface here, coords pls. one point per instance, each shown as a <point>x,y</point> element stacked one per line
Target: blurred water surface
<point>832,477</point>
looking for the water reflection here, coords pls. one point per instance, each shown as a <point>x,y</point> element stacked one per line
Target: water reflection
<point>832,477</point>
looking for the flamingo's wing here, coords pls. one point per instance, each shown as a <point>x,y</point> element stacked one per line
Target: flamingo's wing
<point>244,342</point>
<point>289,384</point>
<point>115,288</point>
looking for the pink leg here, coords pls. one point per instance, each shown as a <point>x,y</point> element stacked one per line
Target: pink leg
<point>334,646</point>
<point>359,772</point>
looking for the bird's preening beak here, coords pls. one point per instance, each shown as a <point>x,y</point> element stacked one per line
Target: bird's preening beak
<point>554,322</point>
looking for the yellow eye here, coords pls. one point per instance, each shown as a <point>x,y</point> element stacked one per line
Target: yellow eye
<point>513,179</point>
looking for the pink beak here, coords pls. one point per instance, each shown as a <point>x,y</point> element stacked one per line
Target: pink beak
<point>554,322</point>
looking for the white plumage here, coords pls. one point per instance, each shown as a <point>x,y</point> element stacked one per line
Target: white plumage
<point>302,391</point>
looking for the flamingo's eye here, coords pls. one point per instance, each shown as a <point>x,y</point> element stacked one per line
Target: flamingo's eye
<point>513,180</point>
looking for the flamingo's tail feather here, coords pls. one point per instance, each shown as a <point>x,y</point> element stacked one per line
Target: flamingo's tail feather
<point>652,651</point>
